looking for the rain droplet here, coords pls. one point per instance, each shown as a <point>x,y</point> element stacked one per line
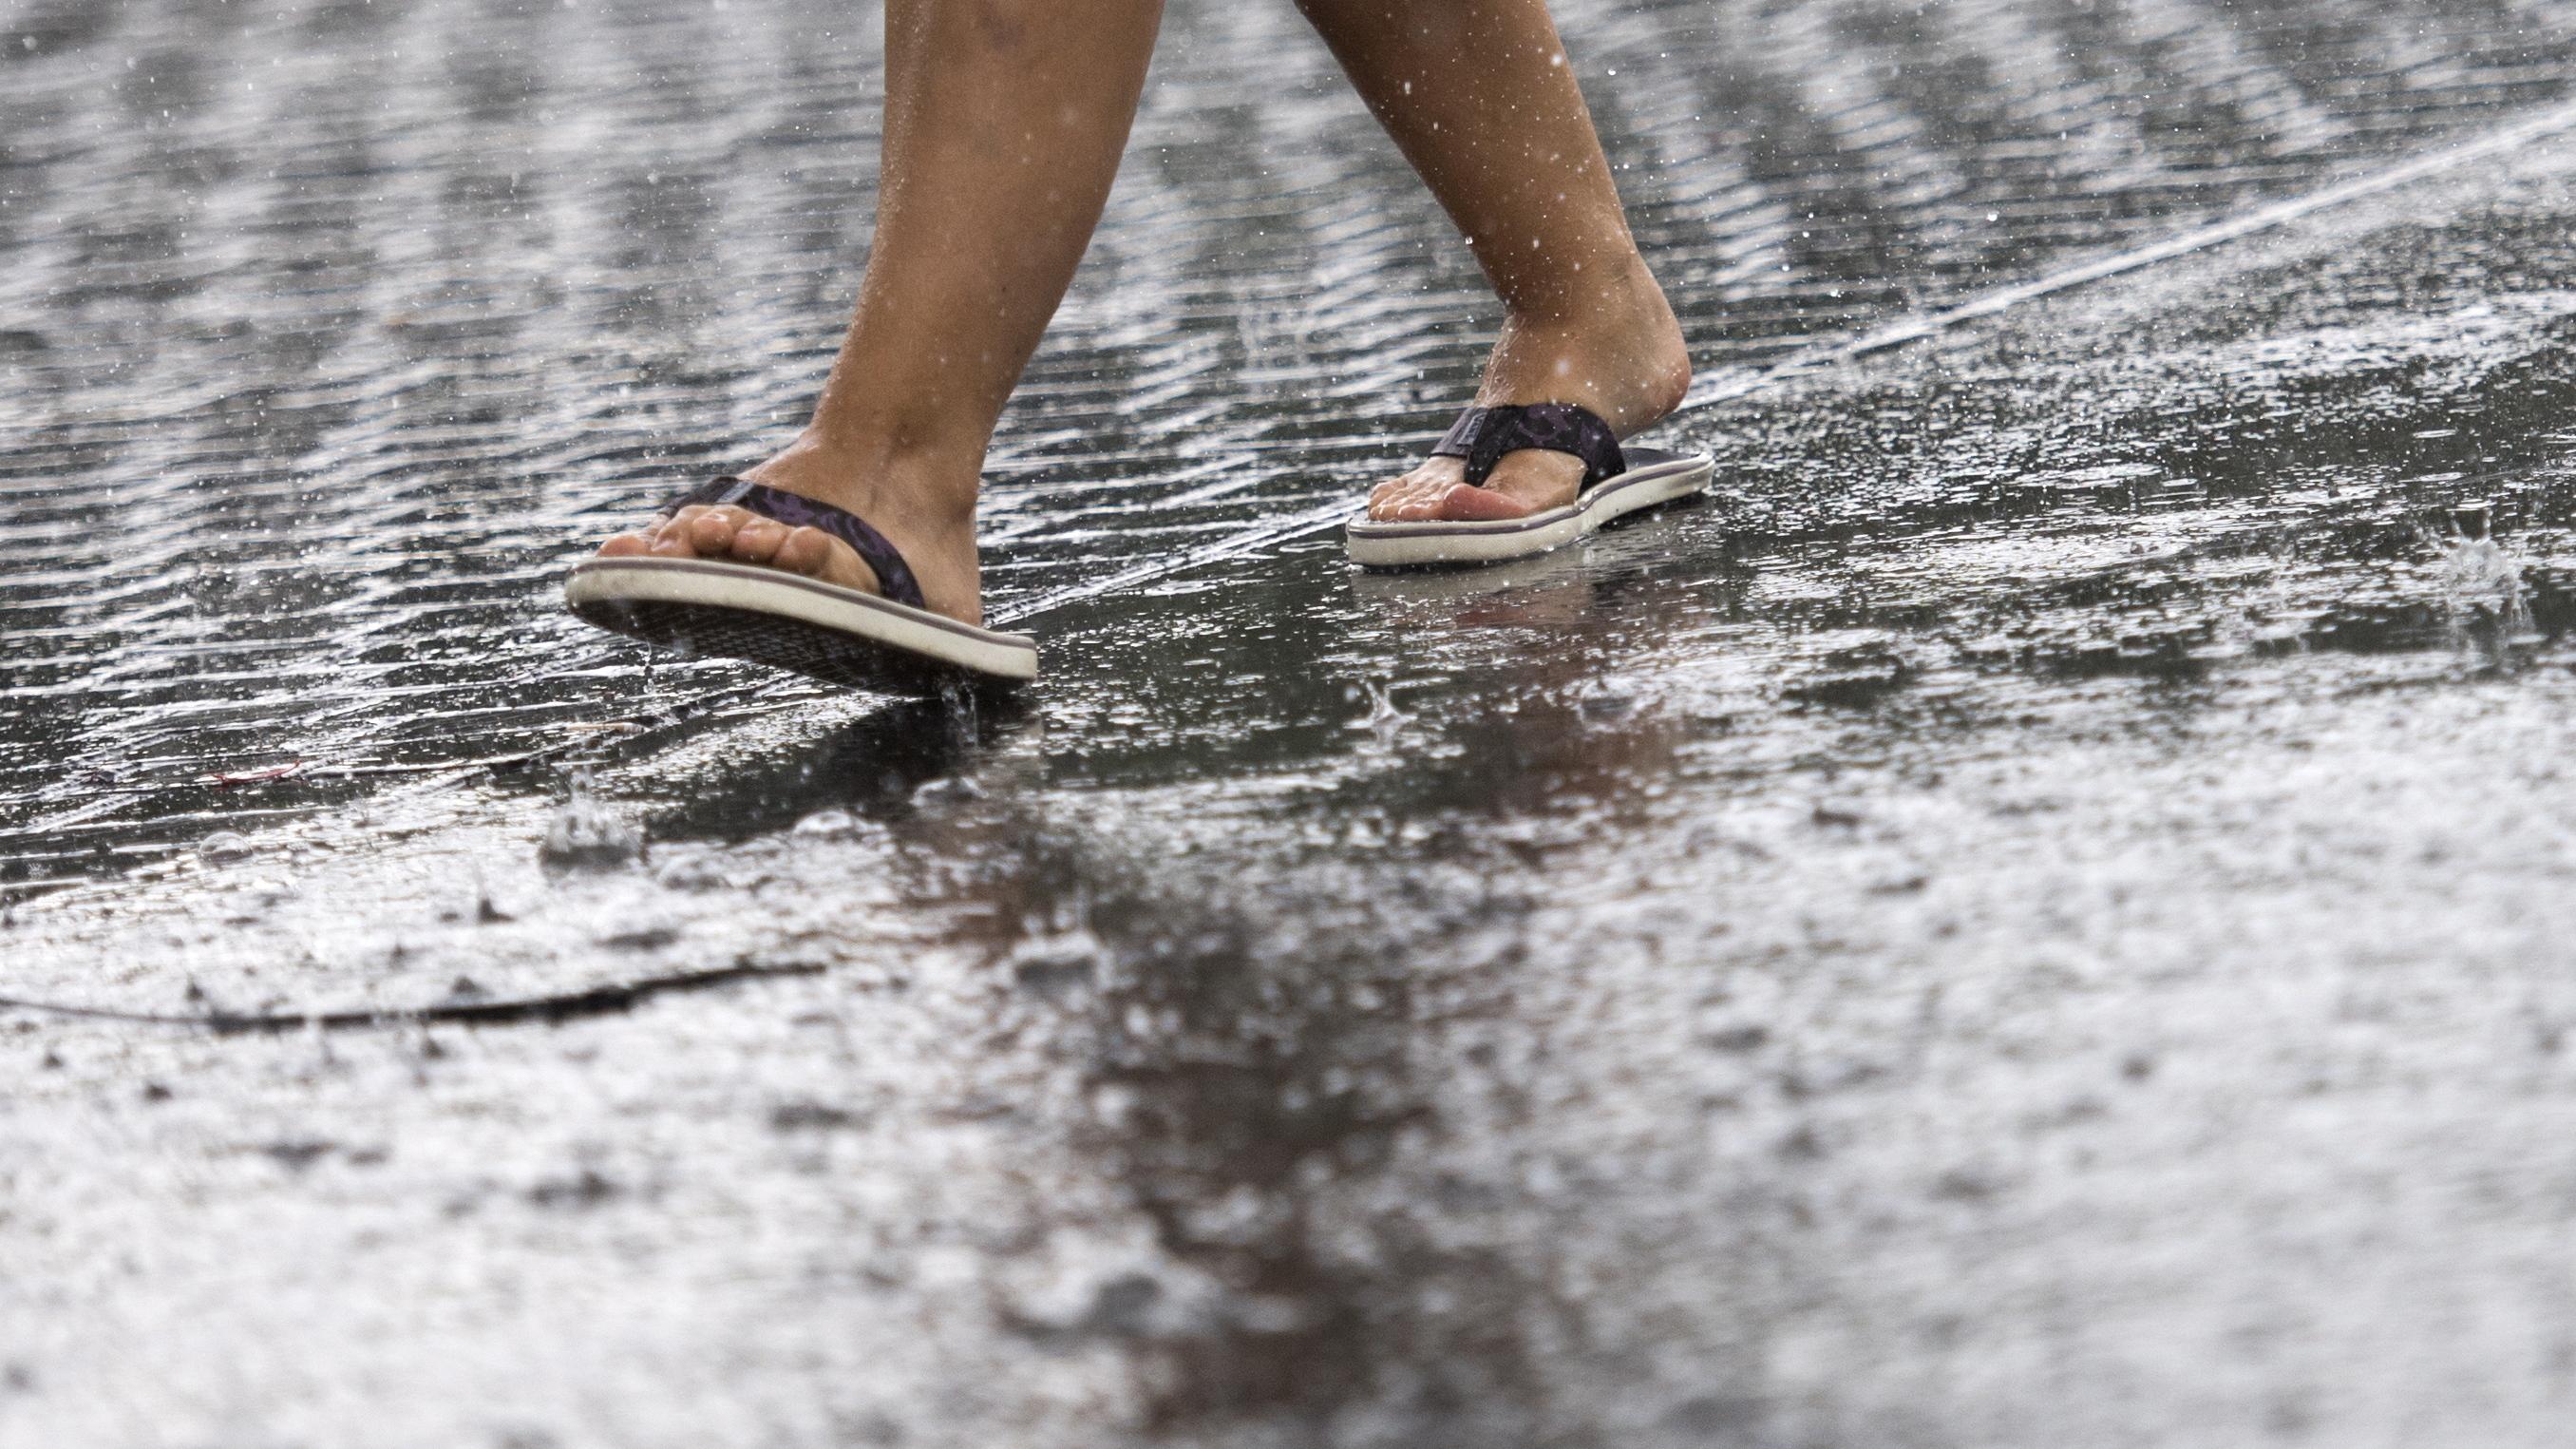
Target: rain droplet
<point>585,834</point>
<point>827,822</point>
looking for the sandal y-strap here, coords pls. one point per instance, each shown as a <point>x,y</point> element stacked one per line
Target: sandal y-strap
<point>1485,436</point>
<point>894,576</point>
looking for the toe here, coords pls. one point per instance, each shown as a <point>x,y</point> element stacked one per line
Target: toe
<point>1420,502</point>
<point>1523,483</point>
<point>711,533</point>
<point>669,535</point>
<point>741,536</point>
<point>812,552</point>
<point>1417,496</point>
<point>757,541</point>
<point>1469,503</point>
<point>804,551</point>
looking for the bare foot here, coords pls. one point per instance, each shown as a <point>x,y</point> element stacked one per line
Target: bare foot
<point>1623,359</point>
<point>925,509</point>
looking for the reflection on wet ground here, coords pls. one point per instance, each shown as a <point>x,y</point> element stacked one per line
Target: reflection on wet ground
<point>2036,918</point>
<point>329,332</point>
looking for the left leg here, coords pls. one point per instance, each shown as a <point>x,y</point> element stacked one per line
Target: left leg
<point>1004,121</point>
<point>1480,97</point>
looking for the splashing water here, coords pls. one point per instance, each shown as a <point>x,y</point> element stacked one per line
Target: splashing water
<point>1384,720</point>
<point>2482,585</point>
<point>586,834</point>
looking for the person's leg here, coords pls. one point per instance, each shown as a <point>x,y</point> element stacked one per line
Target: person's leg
<point>1480,96</point>
<point>1004,120</point>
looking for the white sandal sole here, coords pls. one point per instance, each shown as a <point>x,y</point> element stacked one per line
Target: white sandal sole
<point>839,635</point>
<point>1654,476</point>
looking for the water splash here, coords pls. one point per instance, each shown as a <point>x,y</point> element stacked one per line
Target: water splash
<point>2483,593</point>
<point>585,833</point>
<point>827,822</point>
<point>1384,720</point>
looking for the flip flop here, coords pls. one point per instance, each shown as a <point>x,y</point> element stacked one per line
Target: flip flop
<point>835,634</point>
<point>1616,482</point>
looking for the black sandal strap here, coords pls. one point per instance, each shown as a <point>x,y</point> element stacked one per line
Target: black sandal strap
<point>894,576</point>
<point>1483,436</point>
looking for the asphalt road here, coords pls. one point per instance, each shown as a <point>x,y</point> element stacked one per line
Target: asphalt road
<point>331,332</point>
<point>2039,916</point>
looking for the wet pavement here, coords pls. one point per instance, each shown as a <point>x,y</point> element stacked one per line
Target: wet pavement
<point>331,332</point>
<point>2038,916</point>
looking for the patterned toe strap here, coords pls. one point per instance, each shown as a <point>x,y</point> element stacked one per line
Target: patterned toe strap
<point>894,576</point>
<point>1483,436</point>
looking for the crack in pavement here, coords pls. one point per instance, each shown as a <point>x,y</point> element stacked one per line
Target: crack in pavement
<point>604,999</point>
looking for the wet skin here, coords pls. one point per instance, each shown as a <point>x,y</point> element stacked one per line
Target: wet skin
<point>1622,358</point>
<point>1632,371</point>
<point>1004,124</point>
<point>738,535</point>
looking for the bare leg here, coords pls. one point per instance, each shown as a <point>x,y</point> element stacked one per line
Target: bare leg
<point>1004,124</point>
<point>1481,98</point>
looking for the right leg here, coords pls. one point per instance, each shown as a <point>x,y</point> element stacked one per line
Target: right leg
<point>1004,120</point>
<point>1481,98</point>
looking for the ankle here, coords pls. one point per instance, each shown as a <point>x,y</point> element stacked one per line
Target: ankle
<point>926,487</point>
<point>1620,353</point>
